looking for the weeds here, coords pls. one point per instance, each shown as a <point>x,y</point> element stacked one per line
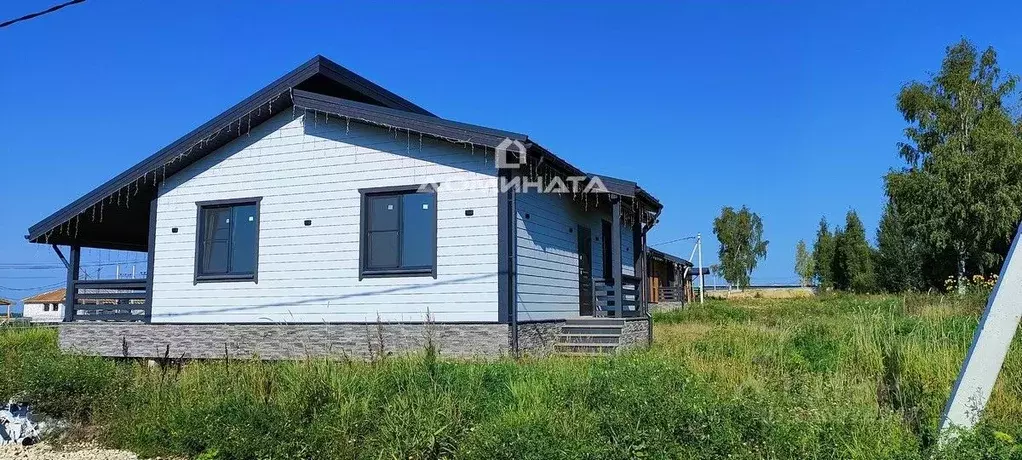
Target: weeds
<point>836,377</point>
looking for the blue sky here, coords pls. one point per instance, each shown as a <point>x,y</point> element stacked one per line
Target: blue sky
<point>787,107</point>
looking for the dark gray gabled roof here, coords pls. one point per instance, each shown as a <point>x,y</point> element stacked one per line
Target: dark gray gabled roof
<point>321,85</point>
<point>429,125</point>
<point>457,132</point>
<point>94,221</point>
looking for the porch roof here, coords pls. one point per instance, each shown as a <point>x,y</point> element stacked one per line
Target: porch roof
<point>115,215</point>
<point>660,255</point>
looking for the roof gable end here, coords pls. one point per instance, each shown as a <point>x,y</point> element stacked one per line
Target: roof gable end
<point>133,189</point>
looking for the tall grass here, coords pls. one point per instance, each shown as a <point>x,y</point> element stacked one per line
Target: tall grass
<point>837,377</point>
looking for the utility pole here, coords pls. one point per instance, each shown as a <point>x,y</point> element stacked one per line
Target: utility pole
<point>990,344</point>
<point>702,284</point>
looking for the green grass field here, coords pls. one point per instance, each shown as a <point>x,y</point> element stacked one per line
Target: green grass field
<point>834,377</point>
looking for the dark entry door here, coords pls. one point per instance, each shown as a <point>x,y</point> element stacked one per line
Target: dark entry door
<point>608,261</point>
<point>585,271</point>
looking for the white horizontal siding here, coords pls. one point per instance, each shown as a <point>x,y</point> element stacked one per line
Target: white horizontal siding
<point>313,170</point>
<point>547,253</point>
<point>36,314</point>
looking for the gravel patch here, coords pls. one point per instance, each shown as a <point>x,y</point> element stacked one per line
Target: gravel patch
<point>44,451</point>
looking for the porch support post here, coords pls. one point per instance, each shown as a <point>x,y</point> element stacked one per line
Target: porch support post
<point>150,261</point>
<point>639,262</point>
<point>73,265</point>
<point>615,254</point>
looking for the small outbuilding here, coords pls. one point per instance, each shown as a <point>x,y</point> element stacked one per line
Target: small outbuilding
<point>47,307</point>
<point>670,277</point>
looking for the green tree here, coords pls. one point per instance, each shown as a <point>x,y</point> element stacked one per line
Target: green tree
<point>740,234</point>
<point>838,275</point>
<point>899,259</point>
<point>854,257</point>
<point>960,190</point>
<point>804,264</point>
<point>823,256</point>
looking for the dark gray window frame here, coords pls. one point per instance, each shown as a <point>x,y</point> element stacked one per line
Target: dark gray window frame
<point>363,241</point>
<point>199,224</point>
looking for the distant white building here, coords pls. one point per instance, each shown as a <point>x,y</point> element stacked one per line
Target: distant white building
<point>47,307</point>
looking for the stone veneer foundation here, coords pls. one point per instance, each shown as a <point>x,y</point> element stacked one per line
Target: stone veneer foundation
<point>295,341</point>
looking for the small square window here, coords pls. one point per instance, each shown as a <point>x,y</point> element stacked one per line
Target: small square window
<point>227,243</point>
<point>398,235</point>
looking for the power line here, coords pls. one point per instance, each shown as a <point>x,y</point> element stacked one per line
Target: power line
<point>673,241</point>
<point>35,15</point>
<point>37,288</point>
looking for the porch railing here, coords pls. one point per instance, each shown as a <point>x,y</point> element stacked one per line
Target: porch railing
<point>670,294</point>
<point>605,295</point>
<point>110,300</point>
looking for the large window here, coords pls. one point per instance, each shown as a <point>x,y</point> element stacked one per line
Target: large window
<point>398,236</point>
<point>227,244</point>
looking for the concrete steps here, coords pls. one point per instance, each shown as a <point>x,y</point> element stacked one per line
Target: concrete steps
<point>589,337</point>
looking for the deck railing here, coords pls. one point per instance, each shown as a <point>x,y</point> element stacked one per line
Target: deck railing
<point>670,294</point>
<point>110,300</point>
<point>604,296</point>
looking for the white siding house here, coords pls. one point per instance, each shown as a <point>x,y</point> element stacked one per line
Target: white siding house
<point>325,215</point>
<point>47,307</point>
<point>312,170</point>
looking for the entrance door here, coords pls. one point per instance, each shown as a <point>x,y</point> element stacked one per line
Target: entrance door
<point>585,271</point>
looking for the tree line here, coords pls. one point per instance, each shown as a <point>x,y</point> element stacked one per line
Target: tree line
<point>953,206</point>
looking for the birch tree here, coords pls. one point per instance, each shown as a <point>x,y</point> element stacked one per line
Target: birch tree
<point>740,234</point>
<point>804,264</point>
<point>961,187</point>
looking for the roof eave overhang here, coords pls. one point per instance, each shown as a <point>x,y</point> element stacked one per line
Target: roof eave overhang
<point>457,132</point>
<point>233,122</point>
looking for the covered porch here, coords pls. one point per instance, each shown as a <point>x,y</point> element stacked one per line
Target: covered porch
<point>620,293</point>
<point>108,295</point>
<point>670,277</point>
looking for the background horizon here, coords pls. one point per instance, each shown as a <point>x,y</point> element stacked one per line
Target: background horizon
<point>786,108</point>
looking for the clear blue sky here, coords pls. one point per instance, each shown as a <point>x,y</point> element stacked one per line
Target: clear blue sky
<point>787,107</point>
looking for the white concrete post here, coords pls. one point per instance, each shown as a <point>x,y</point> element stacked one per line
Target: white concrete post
<point>702,285</point>
<point>989,347</point>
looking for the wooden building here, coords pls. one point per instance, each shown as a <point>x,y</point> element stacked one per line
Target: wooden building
<point>325,206</point>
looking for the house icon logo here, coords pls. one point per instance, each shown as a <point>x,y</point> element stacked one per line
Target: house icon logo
<point>510,154</point>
